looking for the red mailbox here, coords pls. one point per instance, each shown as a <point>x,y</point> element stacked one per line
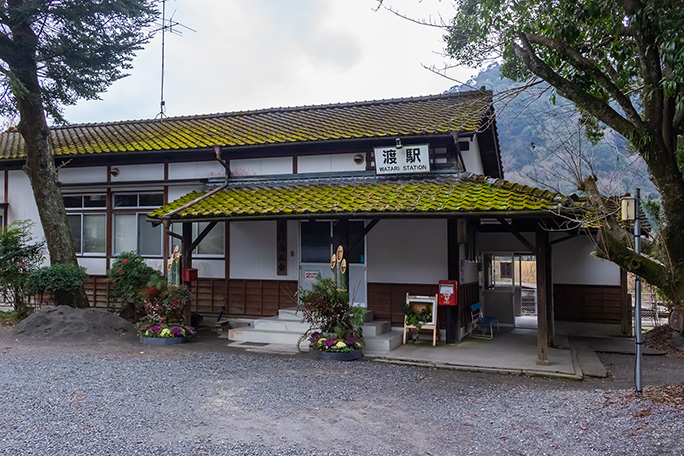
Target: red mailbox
<point>189,275</point>
<point>448,292</point>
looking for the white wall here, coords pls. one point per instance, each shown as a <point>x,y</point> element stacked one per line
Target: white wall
<point>471,157</point>
<point>21,203</point>
<point>196,170</point>
<point>94,266</point>
<point>261,166</point>
<point>130,173</point>
<point>328,163</point>
<point>407,251</point>
<point>573,263</point>
<point>214,268</point>
<point>68,175</point>
<point>253,251</point>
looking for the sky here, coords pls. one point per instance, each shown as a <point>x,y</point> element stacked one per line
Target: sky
<point>255,54</point>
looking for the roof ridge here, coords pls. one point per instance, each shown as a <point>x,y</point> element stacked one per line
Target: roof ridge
<point>377,102</point>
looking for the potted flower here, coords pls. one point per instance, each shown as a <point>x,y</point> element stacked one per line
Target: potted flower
<point>335,325</point>
<point>163,305</point>
<point>417,316</point>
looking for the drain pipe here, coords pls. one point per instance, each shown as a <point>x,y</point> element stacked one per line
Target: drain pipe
<point>217,151</point>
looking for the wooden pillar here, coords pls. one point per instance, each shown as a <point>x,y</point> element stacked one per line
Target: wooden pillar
<point>541,245</point>
<point>453,273</point>
<point>186,262</point>
<point>342,239</point>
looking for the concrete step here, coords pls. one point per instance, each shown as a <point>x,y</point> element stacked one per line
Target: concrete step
<point>290,314</point>
<point>375,328</point>
<point>278,324</point>
<point>384,342</point>
<point>267,337</point>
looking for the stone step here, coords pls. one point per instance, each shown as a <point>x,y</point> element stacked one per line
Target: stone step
<point>381,342</point>
<point>267,337</point>
<point>384,342</point>
<point>278,324</point>
<point>291,314</point>
<point>375,328</point>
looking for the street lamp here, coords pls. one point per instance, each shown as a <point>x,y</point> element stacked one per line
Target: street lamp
<point>630,211</point>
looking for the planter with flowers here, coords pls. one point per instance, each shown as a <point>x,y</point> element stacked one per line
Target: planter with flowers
<point>335,325</point>
<point>163,306</point>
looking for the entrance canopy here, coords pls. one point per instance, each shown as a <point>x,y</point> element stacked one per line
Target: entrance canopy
<point>362,197</point>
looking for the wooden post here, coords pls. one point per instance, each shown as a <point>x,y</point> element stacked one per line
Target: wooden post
<point>343,233</point>
<point>186,262</point>
<point>453,273</point>
<point>541,247</point>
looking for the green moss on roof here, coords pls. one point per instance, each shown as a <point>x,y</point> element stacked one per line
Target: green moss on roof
<point>405,116</point>
<point>436,195</point>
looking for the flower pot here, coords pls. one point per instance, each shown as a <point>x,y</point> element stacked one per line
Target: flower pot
<point>162,340</point>
<point>336,356</point>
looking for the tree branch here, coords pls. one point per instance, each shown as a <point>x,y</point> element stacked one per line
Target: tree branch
<point>586,65</point>
<point>574,92</point>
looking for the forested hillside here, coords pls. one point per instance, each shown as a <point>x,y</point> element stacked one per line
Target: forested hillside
<point>542,144</point>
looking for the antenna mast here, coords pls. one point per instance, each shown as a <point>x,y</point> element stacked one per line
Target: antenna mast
<point>166,24</point>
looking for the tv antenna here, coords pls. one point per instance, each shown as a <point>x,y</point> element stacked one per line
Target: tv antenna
<point>172,27</point>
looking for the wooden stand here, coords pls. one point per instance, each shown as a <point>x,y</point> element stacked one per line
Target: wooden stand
<point>419,303</point>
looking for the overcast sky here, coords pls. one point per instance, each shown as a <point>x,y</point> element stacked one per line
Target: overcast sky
<point>253,54</point>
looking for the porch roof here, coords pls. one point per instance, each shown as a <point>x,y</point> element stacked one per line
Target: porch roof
<point>419,116</point>
<point>465,194</point>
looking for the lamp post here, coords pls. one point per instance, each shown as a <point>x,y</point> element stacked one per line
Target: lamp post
<point>630,211</point>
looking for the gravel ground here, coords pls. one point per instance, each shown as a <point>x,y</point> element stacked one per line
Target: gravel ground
<point>117,397</point>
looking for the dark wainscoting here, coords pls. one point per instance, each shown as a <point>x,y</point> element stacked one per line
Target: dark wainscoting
<point>387,299</point>
<point>588,303</point>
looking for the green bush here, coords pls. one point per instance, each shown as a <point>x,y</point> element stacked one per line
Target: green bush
<point>62,279</point>
<point>19,257</point>
<point>129,276</point>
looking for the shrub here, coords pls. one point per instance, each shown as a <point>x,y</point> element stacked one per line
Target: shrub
<point>19,257</point>
<point>58,279</point>
<point>129,276</point>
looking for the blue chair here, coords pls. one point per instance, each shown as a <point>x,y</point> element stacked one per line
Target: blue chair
<point>482,327</point>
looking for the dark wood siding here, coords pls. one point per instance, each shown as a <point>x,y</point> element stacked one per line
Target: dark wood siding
<point>387,299</point>
<point>260,298</point>
<point>588,303</point>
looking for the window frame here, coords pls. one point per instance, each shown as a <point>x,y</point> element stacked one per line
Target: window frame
<point>82,211</point>
<point>135,211</point>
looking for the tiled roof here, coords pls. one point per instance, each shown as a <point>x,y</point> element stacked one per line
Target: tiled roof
<point>405,116</point>
<point>464,193</point>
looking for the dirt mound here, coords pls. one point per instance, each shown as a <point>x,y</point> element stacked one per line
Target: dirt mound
<point>661,338</point>
<point>67,322</point>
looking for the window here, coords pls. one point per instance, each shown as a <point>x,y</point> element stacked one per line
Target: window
<point>500,270</point>
<point>211,245</point>
<point>132,231</point>
<point>89,232</point>
<point>87,224</point>
<point>316,245</point>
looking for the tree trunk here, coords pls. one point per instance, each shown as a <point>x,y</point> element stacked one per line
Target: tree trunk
<point>40,165</point>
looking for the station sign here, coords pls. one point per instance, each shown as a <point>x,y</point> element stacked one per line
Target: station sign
<point>402,160</point>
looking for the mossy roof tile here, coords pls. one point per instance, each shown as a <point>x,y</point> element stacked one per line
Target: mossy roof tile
<point>404,116</point>
<point>464,193</point>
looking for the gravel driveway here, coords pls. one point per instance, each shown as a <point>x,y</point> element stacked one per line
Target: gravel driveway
<point>203,398</point>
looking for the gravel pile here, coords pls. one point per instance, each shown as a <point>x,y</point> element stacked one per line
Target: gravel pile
<point>61,398</point>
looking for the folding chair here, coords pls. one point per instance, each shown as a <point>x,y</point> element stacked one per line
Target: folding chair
<point>482,327</point>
